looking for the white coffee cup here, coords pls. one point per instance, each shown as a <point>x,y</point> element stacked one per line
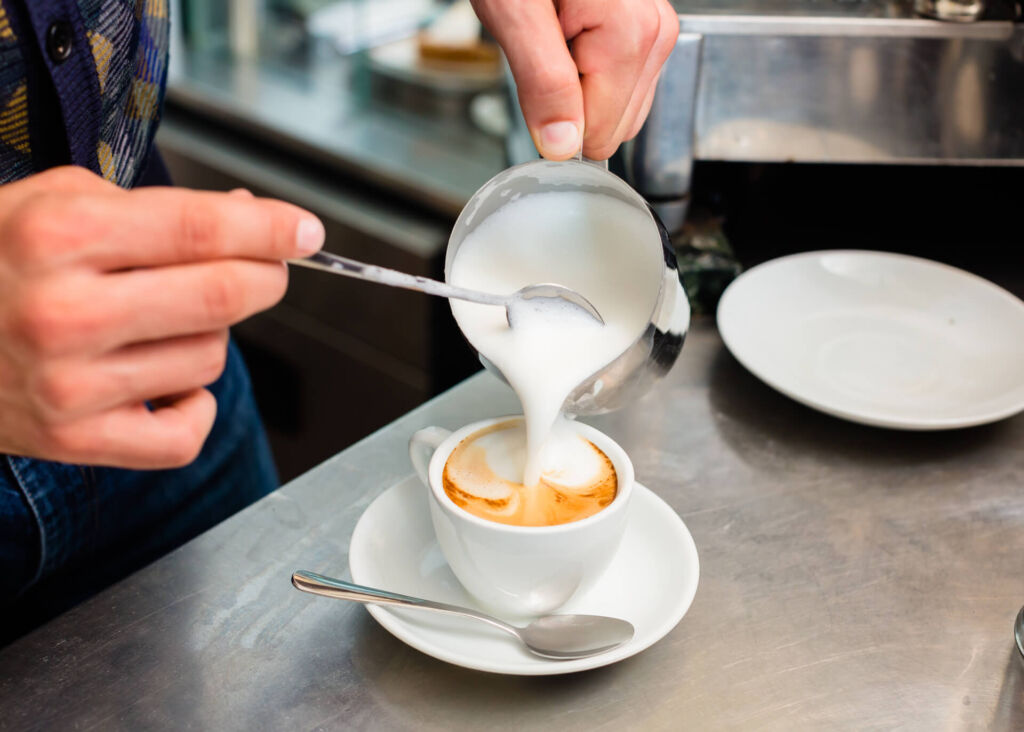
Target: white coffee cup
<point>521,570</point>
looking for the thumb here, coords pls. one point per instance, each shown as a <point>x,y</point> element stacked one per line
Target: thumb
<point>546,75</point>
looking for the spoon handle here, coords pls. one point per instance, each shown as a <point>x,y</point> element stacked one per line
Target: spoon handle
<point>317,584</point>
<point>328,262</point>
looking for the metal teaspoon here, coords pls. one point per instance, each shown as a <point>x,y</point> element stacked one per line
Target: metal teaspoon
<point>560,637</point>
<point>513,304</point>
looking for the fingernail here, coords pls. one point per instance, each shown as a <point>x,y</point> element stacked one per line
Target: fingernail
<point>310,236</point>
<point>559,139</point>
<point>241,193</point>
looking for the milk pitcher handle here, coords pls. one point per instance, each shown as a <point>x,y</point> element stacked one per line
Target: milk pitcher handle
<point>599,163</point>
<point>422,446</point>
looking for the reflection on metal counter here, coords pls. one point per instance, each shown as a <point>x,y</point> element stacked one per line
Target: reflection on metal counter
<point>846,82</point>
<point>957,11</point>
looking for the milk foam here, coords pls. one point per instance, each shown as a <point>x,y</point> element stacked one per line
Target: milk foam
<point>567,458</point>
<point>588,242</point>
<point>484,473</point>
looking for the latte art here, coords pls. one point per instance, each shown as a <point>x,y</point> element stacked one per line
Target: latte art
<point>483,475</point>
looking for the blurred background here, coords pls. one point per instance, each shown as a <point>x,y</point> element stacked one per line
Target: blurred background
<point>780,125</point>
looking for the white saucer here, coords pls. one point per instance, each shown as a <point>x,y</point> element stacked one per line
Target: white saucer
<point>651,583</point>
<point>881,339</point>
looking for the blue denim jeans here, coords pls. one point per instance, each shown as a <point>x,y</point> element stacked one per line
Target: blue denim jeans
<point>66,531</point>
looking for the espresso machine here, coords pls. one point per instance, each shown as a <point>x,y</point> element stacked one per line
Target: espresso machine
<point>884,82</point>
<point>919,82</point>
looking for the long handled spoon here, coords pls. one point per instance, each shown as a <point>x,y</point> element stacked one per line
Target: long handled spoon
<point>514,304</point>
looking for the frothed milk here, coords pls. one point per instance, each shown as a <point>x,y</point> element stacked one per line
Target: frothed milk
<point>589,242</point>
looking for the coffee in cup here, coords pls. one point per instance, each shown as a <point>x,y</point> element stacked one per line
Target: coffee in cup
<point>523,570</point>
<point>483,475</point>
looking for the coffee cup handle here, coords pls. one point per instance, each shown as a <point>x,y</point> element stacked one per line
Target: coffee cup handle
<point>422,446</point>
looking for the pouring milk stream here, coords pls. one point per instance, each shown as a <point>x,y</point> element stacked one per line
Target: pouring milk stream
<point>588,242</point>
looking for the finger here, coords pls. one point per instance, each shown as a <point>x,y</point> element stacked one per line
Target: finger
<point>71,390</point>
<point>641,116</point>
<point>188,299</point>
<point>159,226</point>
<point>611,58</point>
<point>546,76</point>
<point>606,95</point>
<point>643,98</point>
<point>64,181</point>
<point>92,315</point>
<point>135,437</point>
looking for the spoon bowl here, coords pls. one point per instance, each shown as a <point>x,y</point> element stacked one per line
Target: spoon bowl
<point>558,637</point>
<point>548,297</point>
<point>575,636</point>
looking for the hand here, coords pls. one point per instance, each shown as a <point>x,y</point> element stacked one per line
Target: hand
<point>599,92</point>
<point>110,299</point>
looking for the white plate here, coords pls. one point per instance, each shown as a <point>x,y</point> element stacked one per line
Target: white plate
<point>877,338</point>
<point>651,583</point>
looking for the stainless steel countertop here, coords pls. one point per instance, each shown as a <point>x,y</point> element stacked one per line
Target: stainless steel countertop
<point>851,578</point>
